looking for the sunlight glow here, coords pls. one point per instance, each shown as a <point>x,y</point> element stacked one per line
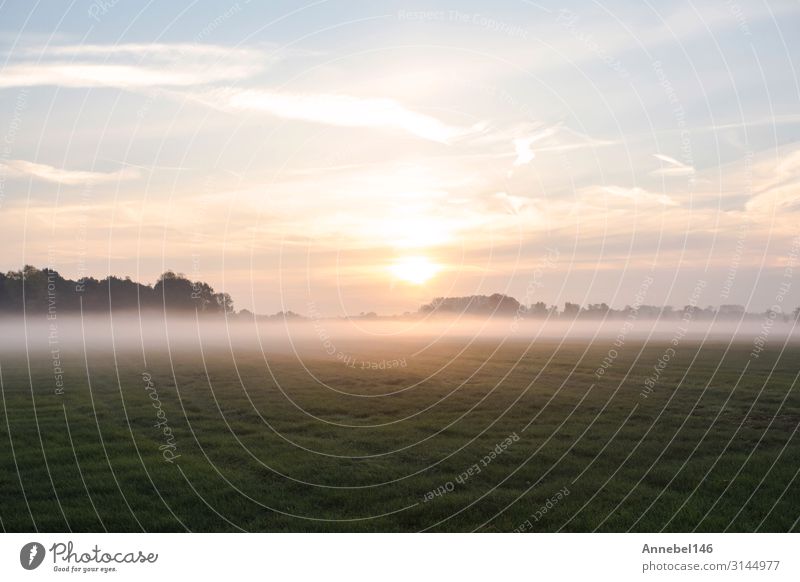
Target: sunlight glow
<point>415,270</point>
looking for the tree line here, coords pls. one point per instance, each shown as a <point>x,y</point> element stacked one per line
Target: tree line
<point>33,290</point>
<point>504,305</point>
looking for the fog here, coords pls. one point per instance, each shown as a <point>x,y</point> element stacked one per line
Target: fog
<point>325,337</point>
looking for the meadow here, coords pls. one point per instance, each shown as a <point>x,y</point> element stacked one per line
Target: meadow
<point>491,435</point>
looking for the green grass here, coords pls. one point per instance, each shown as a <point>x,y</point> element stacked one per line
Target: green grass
<point>701,452</point>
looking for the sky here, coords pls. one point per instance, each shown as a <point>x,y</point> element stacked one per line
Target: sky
<point>350,156</point>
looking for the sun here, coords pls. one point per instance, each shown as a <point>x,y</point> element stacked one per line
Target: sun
<point>416,270</point>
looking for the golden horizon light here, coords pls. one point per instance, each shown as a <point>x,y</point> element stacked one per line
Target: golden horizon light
<point>415,270</point>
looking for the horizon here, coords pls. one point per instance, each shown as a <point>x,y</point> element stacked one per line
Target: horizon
<point>437,306</point>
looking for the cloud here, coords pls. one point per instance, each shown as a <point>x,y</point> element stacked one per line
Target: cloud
<point>66,177</point>
<point>522,145</point>
<point>554,137</point>
<point>775,184</point>
<point>181,65</point>
<point>132,66</point>
<point>507,203</point>
<point>673,168</point>
<point>159,51</point>
<point>595,34</point>
<point>638,195</point>
<point>117,76</point>
<point>342,110</point>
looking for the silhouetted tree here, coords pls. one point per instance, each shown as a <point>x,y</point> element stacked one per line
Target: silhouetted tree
<point>496,304</point>
<point>44,291</point>
<point>538,309</point>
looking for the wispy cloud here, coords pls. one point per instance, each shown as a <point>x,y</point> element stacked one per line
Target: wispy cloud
<point>776,184</point>
<point>341,110</point>
<point>141,51</point>
<point>553,137</point>
<point>522,145</point>
<point>132,66</point>
<point>505,202</point>
<point>67,177</point>
<point>672,167</point>
<point>638,195</point>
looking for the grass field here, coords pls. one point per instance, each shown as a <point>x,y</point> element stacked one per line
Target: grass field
<point>262,446</point>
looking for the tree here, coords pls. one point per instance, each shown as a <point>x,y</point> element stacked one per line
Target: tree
<point>224,302</point>
<point>597,310</point>
<point>176,292</point>
<point>496,304</point>
<point>538,309</point>
<point>571,309</point>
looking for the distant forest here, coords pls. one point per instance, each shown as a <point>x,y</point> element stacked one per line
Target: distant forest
<point>503,305</point>
<point>46,291</point>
